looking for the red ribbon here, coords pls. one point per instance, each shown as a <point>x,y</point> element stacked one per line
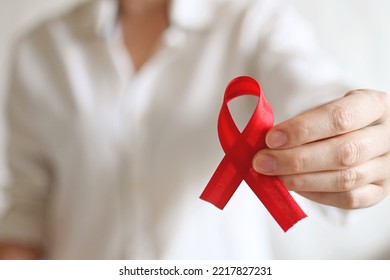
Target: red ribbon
<point>240,149</point>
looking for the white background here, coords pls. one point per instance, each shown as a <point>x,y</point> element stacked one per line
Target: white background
<point>280,270</point>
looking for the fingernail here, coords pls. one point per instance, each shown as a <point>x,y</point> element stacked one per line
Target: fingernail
<point>276,139</point>
<point>264,164</point>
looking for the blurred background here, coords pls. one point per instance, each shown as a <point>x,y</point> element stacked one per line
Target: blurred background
<point>355,32</point>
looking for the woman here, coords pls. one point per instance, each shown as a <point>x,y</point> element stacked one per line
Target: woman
<point>113,109</point>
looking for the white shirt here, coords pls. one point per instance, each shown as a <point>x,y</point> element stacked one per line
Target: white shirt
<point>109,163</point>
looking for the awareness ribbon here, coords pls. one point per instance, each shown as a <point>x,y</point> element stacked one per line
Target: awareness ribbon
<point>239,150</point>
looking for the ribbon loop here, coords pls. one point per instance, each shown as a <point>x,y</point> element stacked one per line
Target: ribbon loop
<point>240,148</point>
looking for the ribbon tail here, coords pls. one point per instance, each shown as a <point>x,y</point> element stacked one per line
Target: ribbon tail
<point>222,184</point>
<point>276,198</point>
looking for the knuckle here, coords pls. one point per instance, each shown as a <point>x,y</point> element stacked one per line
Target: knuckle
<point>294,182</point>
<point>383,100</point>
<point>342,118</point>
<point>348,179</point>
<point>386,188</point>
<point>383,97</point>
<point>298,163</point>
<point>352,92</point>
<point>301,129</point>
<point>349,153</point>
<point>352,200</point>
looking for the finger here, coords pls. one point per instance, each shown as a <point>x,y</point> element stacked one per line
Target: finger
<point>362,197</point>
<point>336,153</point>
<point>375,170</point>
<point>356,110</point>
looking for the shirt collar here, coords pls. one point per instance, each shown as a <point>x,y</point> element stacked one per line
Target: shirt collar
<point>192,15</point>
<point>93,19</point>
<point>99,17</point>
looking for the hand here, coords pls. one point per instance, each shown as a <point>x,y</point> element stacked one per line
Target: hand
<point>17,251</point>
<point>337,154</point>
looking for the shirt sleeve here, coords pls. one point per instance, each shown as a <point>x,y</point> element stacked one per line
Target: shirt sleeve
<point>29,176</point>
<point>295,72</point>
